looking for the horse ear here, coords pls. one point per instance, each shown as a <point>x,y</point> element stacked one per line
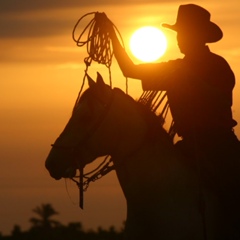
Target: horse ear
<point>91,83</point>
<point>100,80</point>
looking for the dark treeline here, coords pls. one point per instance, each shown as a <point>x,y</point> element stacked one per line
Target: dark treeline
<point>43,227</point>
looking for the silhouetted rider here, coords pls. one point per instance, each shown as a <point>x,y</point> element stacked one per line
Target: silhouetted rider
<point>199,89</point>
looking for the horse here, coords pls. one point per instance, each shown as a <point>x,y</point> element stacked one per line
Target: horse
<point>163,193</point>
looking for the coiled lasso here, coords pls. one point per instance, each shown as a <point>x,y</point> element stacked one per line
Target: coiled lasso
<point>97,41</point>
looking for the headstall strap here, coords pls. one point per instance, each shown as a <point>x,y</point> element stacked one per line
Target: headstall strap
<point>81,188</point>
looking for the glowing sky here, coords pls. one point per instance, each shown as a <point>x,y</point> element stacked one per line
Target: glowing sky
<point>41,72</point>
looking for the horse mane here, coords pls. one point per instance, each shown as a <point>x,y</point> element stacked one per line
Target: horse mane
<point>154,121</point>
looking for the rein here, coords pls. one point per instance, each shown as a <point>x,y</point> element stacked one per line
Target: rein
<point>96,174</point>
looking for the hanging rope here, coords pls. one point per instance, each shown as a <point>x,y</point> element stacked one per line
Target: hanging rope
<point>97,40</point>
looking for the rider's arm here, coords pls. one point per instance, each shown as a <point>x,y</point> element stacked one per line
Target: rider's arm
<point>129,69</point>
<point>154,76</point>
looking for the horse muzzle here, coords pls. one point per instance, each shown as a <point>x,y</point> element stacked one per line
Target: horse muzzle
<point>59,167</point>
<point>58,173</point>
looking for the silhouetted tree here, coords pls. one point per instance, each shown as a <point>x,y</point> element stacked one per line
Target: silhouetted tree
<point>75,226</point>
<point>43,226</point>
<point>16,232</point>
<point>45,213</point>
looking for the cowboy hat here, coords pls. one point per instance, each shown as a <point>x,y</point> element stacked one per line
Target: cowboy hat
<point>193,18</point>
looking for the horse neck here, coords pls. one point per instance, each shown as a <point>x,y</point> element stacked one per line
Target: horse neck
<point>139,156</point>
<point>140,172</point>
<point>129,126</point>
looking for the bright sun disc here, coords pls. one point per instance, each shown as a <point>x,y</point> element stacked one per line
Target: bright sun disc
<point>148,44</point>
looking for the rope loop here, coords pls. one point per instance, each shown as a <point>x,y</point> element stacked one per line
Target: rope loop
<point>97,38</point>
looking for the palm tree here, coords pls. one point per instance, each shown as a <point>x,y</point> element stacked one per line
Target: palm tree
<point>44,212</point>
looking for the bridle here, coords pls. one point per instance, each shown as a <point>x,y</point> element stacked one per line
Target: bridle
<point>105,167</point>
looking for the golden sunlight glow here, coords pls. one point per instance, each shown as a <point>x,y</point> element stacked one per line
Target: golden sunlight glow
<point>148,43</point>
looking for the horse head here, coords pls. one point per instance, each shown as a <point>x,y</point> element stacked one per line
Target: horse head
<point>80,141</point>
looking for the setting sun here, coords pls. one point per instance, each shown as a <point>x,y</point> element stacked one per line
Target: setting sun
<point>148,43</point>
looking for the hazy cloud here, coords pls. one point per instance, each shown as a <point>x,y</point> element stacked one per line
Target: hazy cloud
<point>13,6</point>
<point>31,5</point>
<point>25,28</point>
<point>26,18</point>
<point>38,18</point>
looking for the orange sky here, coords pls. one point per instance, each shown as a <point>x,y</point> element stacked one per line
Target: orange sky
<point>41,72</point>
